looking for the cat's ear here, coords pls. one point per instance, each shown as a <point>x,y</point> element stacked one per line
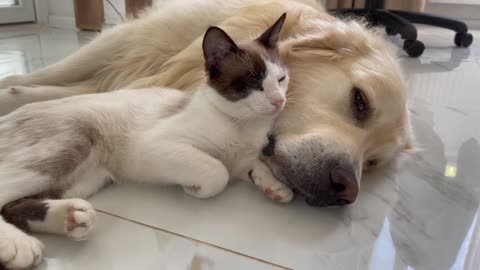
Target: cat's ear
<point>217,46</point>
<point>270,38</point>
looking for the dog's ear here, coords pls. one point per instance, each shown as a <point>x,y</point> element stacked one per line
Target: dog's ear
<point>217,47</point>
<point>270,37</point>
<point>334,40</point>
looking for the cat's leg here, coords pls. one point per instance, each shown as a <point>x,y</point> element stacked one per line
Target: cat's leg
<point>18,250</point>
<point>91,181</point>
<point>73,218</point>
<point>200,174</point>
<point>16,96</point>
<point>59,212</point>
<point>262,176</point>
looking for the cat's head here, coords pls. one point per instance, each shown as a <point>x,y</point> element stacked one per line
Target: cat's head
<point>250,79</point>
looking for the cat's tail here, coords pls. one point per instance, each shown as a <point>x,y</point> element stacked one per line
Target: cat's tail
<point>18,250</point>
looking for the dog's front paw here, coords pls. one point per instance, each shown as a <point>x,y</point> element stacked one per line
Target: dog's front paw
<point>19,250</point>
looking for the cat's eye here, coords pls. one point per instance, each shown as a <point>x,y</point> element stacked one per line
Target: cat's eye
<point>361,108</point>
<point>282,79</point>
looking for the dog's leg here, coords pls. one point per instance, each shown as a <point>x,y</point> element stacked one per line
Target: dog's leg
<point>77,67</point>
<point>199,174</point>
<point>17,249</point>
<point>17,96</point>
<point>262,176</point>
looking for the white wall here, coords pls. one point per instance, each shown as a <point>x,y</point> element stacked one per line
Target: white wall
<point>470,14</point>
<point>62,8</point>
<point>465,2</point>
<point>111,16</point>
<point>61,14</point>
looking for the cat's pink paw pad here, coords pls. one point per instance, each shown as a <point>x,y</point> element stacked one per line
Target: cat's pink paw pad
<point>80,219</point>
<point>280,193</point>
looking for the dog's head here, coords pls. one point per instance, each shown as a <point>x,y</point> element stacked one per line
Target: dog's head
<point>346,111</point>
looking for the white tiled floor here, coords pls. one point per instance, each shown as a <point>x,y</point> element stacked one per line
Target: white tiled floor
<point>413,218</point>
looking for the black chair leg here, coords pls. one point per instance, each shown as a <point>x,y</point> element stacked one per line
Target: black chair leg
<point>394,25</point>
<point>462,37</point>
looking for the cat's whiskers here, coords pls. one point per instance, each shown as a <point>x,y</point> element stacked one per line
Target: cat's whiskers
<point>291,94</point>
<point>243,119</point>
<point>250,65</point>
<point>292,98</point>
<point>292,102</point>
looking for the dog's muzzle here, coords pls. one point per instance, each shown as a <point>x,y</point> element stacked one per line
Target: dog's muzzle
<point>323,178</point>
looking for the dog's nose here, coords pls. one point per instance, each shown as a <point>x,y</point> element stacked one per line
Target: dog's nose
<point>342,189</point>
<point>344,184</point>
<point>278,103</point>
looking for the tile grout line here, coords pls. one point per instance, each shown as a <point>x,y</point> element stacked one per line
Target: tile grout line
<point>195,240</point>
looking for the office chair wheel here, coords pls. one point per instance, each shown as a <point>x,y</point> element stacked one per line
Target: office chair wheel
<point>463,39</point>
<point>390,31</point>
<point>414,48</point>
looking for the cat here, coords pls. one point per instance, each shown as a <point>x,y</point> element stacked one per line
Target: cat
<point>54,153</point>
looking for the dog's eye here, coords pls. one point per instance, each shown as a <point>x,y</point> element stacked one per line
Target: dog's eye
<point>371,163</point>
<point>360,104</point>
<point>282,79</point>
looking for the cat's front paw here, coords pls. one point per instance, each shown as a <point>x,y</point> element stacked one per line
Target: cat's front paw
<point>273,188</point>
<point>279,192</point>
<point>19,250</point>
<point>79,220</point>
<point>206,189</point>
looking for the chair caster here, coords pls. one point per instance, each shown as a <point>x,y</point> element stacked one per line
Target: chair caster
<point>413,48</point>
<point>463,39</point>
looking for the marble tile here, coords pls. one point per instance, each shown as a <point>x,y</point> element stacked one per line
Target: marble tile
<point>25,48</point>
<point>398,218</point>
<point>119,244</point>
<point>440,46</point>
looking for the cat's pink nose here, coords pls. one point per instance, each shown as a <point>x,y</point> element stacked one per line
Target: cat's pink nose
<point>278,103</point>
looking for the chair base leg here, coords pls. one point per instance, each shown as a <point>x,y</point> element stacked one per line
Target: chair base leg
<point>401,22</point>
<point>462,37</point>
<point>394,25</point>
